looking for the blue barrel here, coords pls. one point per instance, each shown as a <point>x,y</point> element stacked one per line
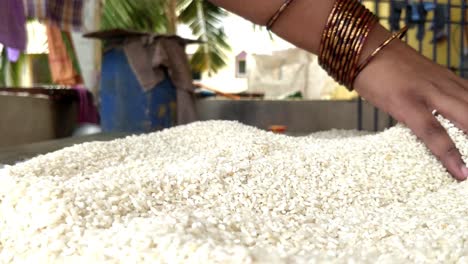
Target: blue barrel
<point>125,106</point>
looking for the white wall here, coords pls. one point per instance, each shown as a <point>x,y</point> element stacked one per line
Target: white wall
<point>242,36</point>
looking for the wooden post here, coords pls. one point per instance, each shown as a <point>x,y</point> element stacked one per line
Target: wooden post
<point>97,50</point>
<point>171,13</point>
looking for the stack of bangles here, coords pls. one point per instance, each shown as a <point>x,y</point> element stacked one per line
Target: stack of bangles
<point>343,39</point>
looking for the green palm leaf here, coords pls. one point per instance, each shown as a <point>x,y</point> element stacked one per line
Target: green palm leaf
<point>203,18</point>
<point>141,15</point>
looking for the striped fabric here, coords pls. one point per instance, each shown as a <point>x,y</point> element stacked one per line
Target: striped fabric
<point>66,14</point>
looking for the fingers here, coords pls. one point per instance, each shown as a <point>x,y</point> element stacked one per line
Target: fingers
<point>431,132</point>
<point>453,108</point>
<point>457,88</point>
<point>454,78</point>
<point>461,82</point>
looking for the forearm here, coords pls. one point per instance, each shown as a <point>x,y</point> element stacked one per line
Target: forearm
<point>302,24</point>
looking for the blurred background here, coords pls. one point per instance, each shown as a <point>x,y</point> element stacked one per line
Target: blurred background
<point>101,69</point>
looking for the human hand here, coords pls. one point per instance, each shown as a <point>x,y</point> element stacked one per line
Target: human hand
<point>409,87</point>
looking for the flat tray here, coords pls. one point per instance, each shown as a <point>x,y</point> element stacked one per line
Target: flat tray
<point>13,155</point>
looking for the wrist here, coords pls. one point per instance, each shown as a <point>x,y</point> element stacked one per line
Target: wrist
<point>376,37</point>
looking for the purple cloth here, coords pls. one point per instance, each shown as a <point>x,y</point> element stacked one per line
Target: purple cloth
<point>13,54</point>
<point>66,14</point>
<point>87,111</point>
<point>12,24</point>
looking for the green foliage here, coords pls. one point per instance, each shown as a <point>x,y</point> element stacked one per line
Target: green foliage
<point>203,18</point>
<point>10,71</point>
<point>3,65</point>
<point>141,15</point>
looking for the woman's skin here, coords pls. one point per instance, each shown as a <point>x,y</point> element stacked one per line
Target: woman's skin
<point>399,80</point>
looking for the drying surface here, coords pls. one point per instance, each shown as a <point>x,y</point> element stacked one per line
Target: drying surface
<point>224,192</point>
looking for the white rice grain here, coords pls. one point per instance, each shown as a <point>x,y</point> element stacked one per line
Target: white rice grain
<point>222,192</point>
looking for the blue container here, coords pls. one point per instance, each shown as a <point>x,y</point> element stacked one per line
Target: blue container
<point>125,106</point>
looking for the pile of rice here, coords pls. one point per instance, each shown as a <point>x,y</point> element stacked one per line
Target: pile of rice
<point>222,192</point>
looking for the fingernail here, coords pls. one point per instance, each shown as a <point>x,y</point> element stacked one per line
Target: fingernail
<point>465,171</point>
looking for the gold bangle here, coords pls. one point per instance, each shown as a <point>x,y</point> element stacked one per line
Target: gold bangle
<point>341,33</point>
<point>348,64</point>
<point>370,22</point>
<point>330,35</point>
<point>278,13</point>
<point>348,38</point>
<point>400,34</point>
<point>327,25</point>
<point>343,38</point>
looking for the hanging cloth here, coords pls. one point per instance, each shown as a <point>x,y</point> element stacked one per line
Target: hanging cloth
<point>66,14</point>
<point>87,111</point>
<point>62,67</point>
<point>148,57</point>
<point>396,8</point>
<point>12,24</point>
<point>439,25</point>
<point>13,54</point>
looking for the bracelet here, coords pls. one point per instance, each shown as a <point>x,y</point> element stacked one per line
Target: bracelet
<point>331,35</point>
<point>365,27</point>
<point>278,13</point>
<point>325,36</point>
<point>343,39</point>
<point>400,34</point>
<point>368,27</point>
<point>350,41</point>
